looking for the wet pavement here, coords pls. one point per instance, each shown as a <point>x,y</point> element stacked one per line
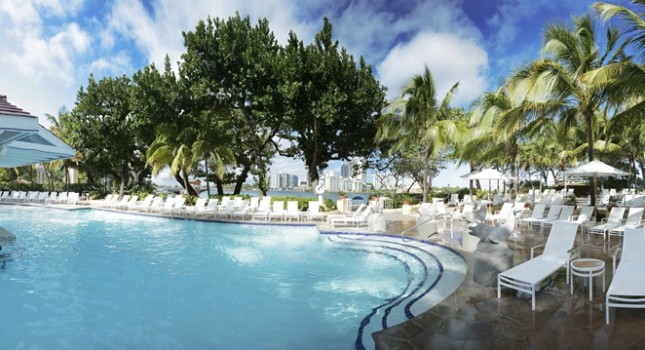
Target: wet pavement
<point>474,318</point>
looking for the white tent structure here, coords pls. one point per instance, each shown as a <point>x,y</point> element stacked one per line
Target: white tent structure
<point>23,141</point>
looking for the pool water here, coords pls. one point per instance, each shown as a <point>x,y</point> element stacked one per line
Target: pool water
<point>91,279</point>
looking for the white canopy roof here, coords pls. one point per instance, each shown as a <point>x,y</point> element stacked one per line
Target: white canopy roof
<point>23,141</point>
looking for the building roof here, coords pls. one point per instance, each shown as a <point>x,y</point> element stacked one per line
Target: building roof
<point>23,141</point>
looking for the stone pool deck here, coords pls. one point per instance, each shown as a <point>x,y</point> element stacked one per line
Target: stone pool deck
<point>474,318</point>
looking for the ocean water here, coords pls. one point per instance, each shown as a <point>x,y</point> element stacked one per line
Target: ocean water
<point>98,280</point>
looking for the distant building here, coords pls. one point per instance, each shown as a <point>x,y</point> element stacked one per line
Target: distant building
<point>335,183</point>
<point>344,170</point>
<point>283,180</point>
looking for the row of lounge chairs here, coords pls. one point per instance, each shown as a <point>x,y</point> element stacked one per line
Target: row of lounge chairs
<point>40,197</point>
<point>228,208</point>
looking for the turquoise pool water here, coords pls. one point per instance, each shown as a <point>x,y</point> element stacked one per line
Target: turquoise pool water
<point>98,280</point>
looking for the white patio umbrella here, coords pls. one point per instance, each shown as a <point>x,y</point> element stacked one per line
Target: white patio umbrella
<point>596,168</point>
<point>487,174</point>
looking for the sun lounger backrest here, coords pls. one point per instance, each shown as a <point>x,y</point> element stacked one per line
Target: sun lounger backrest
<point>212,203</point>
<point>554,211</point>
<point>566,212</point>
<point>200,204</point>
<point>616,215</point>
<point>633,246</point>
<point>586,213</point>
<point>538,211</point>
<point>255,202</point>
<point>634,216</point>
<point>278,206</point>
<point>314,207</point>
<point>292,206</point>
<point>561,239</point>
<point>359,211</point>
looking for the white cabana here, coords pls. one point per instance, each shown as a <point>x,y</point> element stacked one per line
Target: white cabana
<point>23,141</point>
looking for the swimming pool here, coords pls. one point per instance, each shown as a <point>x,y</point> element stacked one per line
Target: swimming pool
<point>93,279</point>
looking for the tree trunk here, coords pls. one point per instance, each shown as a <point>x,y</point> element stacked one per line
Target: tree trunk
<point>241,178</point>
<point>512,184</point>
<point>425,180</point>
<point>208,187</point>
<point>589,121</point>
<point>220,186</point>
<point>262,181</point>
<point>189,188</point>
<point>122,187</point>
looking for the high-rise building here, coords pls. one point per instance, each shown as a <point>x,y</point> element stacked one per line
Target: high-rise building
<point>344,170</point>
<point>283,180</point>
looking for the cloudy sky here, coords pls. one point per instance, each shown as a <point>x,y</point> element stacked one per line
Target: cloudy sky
<point>48,48</point>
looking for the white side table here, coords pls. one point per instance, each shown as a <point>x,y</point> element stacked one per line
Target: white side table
<point>588,268</point>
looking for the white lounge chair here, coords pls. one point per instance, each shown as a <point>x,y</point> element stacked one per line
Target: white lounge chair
<point>552,215</point>
<point>210,209</point>
<point>634,219</point>
<point>313,212</point>
<point>501,215</point>
<point>566,212</point>
<point>52,197</point>
<point>117,203</point>
<point>132,202</point>
<point>155,205</point>
<point>614,219</point>
<point>277,211</point>
<point>178,206</point>
<point>354,214</point>
<point>292,211</point>
<point>241,210</point>
<point>199,206</point>
<point>627,288</point>
<point>264,209</point>
<point>353,221</point>
<point>144,203</point>
<point>527,276</point>
<point>536,214</point>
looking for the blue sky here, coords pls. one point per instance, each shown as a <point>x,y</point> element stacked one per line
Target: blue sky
<point>48,48</point>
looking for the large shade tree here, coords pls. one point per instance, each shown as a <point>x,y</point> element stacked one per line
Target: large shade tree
<point>233,69</point>
<point>332,102</point>
<point>102,128</point>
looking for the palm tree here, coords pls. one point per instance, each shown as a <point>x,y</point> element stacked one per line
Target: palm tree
<point>416,121</point>
<point>569,53</point>
<point>166,150</point>
<point>624,80</point>
<point>205,149</point>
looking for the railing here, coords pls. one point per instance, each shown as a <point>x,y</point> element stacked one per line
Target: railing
<point>416,226</point>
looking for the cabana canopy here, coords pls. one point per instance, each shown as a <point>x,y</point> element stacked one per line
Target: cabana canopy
<point>23,141</point>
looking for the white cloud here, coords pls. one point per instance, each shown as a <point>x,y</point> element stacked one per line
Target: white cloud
<point>450,58</point>
<point>39,63</point>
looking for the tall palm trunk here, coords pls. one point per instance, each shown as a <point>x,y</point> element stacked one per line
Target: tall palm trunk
<point>208,187</point>
<point>589,121</point>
